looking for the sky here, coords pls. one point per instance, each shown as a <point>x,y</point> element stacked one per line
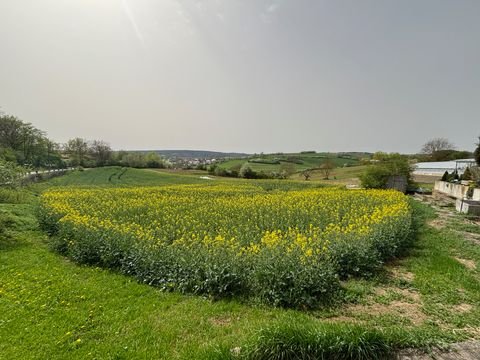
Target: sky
<point>245,75</point>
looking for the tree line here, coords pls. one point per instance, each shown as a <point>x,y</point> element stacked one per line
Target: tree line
<point>23,144</point>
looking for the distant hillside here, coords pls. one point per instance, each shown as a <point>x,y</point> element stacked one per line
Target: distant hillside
<point>198,154</point>
<point>298,161</point>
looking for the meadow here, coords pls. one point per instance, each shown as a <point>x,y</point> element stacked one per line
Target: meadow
<point>298,161</point>
<point>52,307</point>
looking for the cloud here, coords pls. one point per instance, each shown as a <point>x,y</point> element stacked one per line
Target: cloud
<point>128,12</point>
<point>269,11</point>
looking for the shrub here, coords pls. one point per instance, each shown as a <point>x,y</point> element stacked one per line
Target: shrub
<point>467,174</point>
<point>376,176</point>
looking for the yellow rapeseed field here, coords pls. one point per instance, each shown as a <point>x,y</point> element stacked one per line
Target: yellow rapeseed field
<point>239,223</point>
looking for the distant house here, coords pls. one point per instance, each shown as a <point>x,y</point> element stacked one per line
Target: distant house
<point>438,168</point>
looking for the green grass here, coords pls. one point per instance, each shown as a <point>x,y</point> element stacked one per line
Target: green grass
<point>308,161</point>
<point>117,176</point>
<point>52,308</point>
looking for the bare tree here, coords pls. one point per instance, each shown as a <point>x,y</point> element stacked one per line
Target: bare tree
<point>307,173</point>
<point>327,168</point>
<point>287,169</point>
<point>437,144</point>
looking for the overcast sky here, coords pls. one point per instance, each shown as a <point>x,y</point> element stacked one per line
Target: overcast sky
<point>244,75</point>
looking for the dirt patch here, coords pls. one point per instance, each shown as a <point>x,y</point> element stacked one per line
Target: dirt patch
<point>221,321</point>
<point>469,264</point>
<point>406,294</point>
<point>345,319</point>
<point>462,308</point>
<point>475,238</point>
<point>402,309</point>
<point>400,274</point>
<point>437,223</point>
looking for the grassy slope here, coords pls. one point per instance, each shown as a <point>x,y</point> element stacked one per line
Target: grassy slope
<point>309,161</point>
<point>52,308</point>
<point>116,176</point>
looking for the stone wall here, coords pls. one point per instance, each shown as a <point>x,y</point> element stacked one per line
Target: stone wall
<point>456,191</point>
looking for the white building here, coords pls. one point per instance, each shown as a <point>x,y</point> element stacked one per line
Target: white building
<point>439,167</point>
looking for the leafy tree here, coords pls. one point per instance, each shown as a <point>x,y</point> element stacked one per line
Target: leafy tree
<point>153,160</point>
<point>23,143</point>
<point>246,172</point>
<point>476,153</point>
<point>101,152</point>
<point>77,149</point>
<point>376,176</point>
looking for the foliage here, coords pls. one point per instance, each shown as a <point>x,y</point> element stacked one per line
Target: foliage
<point>449,155</point>
<point>285,248</point>
<point>437,144</point>
<point>246,172</point>
<point>101,152</point>
<point>11,174</point>
<point>476,153</point>
<point>467,174</point>
<point>23,143</point>
<point>376,175</point>
<point>139,160</point>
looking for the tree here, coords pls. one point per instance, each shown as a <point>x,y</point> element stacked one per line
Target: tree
<point>307,173</point>
<point>153,160</point>
<point>286,169</point>
<point>467,174</point>
<point>327,168</point>
<point>246,172</point>
<point>77,149</point>
<point>376,176</point>
<point>22,142</point>
<point>476,153</point>
<point>101,152</point>
<point>435,145</point>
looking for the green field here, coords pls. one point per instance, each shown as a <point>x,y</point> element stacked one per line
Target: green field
<point>52,308</point>
<point>117,176</point>
<point>298,160</point>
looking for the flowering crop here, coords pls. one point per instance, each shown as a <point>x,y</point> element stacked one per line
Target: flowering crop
<point>285,247</point>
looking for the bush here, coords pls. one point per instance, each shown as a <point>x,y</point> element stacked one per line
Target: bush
<point>246,172</point>
<point>376,176</point>
<point>467,174</point>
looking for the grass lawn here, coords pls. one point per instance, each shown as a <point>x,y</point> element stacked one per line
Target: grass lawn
<point>52,308</point>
